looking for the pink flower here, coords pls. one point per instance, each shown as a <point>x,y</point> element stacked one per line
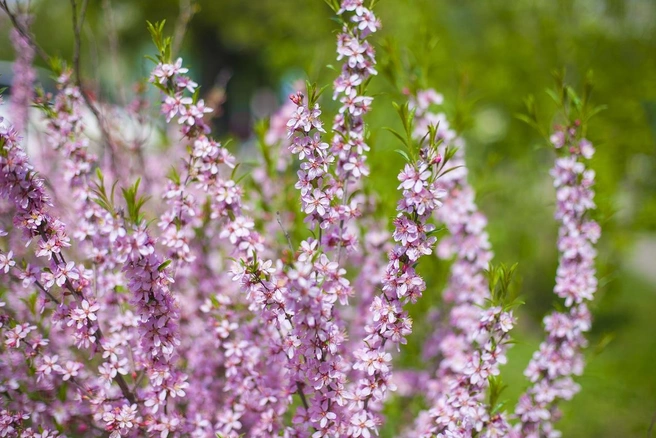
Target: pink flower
<point>6,262</point>
<point>69,370</point>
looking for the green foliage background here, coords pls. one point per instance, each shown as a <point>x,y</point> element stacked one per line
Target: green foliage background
<point>485,57</point>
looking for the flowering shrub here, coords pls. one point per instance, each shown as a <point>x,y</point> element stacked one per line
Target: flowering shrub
<point>192,312</point>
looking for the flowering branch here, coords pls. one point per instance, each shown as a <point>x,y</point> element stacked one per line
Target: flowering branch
<point>461,409</point>
<point>349,145</point>
<point>467,289</point>
<point>559,357</point>
<point>414,238</point>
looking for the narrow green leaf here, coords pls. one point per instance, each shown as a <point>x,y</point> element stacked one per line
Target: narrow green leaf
<point>163,266</point>
<point>556,98</point>
<point>397,135</point>
<point>403,154</point>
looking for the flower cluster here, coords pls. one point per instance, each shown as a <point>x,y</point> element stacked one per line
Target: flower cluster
<point>390,324</point>
<point>203,166</point>
<point>461,410</point>
<point>145,273</point>
<point>319,192</point>
<point>559,356</point>
<point>252,356</point>
<point>157,311</point>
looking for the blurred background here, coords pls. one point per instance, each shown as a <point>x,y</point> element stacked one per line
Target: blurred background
<point>486,58</point>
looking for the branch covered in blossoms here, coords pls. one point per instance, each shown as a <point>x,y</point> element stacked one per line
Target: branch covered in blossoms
<point>462,409</point>
<point>390,323</point>
<point>349,142</point>
<point>560,358</point>
<point>453,341</point>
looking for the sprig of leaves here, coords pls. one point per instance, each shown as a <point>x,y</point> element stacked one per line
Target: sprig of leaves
<point>133,203</point>
<point>495,388</point>
<point>163,43</point>
<point>407,117</point>
<point>574,108</point>
<point>313,93</point>
<point>500,280</point>
<point>104,200</point>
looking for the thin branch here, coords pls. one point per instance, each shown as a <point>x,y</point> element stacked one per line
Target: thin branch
<point>187,11</point>
<point>112,39</point>
<point>78,21</point>
<point>299,390</point>
<point>24,33</point>
<point>289,239</point>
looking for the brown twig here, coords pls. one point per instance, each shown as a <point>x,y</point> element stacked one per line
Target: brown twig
<point>299,390</point>
<point>78,21</point>
<point>24,33</point>
<point>187,11</point>
<point>287,236</point>
<point>112,39</point>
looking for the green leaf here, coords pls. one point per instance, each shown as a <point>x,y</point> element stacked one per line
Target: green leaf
<point>134,203</point>
<point>594,111</point>
<point>436,230</point>
<point>234,171</point>
<point>150,58</point>
<point>402,111</point>
<point>162,43</point>
<point>163,266</point>
<point>556,98</point>
<point>63,390</point>
<point>403,154</point>
<point>238,180</point>
<point>450,169</point>
<point>57,65</point>
<point>174,176</point>
<point>573,97</point>
<point>98,189</point>
<point>500,278</point>
<point>196,95</point>
<point>496,387</point>
<point>397,135</point>
<point>605,340</point>
<point>526,119</point>
<point>333,4</point>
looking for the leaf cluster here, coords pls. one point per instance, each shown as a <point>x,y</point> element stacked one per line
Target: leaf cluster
<point>102,198</point>
<point>575,109</point>
<point>133,203</point>
<point>500,281</point>
<point>407,117</point>
<point>163,43</point>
